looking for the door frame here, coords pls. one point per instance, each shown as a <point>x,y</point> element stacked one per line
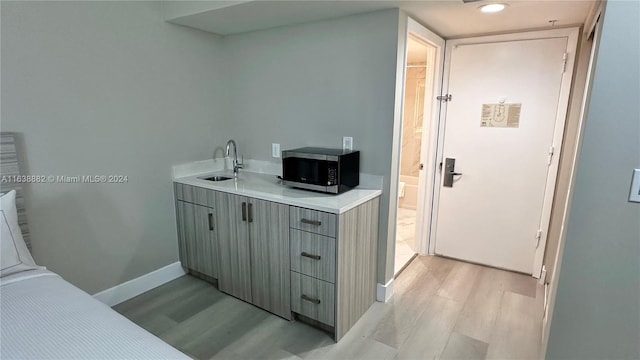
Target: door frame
<point>572,35</point>
<point>428,148</point>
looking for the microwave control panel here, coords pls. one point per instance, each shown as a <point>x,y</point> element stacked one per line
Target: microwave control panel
<point>332,175</point>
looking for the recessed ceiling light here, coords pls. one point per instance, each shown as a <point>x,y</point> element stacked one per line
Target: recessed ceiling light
<point>492,8</point>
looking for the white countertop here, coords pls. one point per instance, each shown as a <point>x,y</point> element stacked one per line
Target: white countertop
<point>268,187</point>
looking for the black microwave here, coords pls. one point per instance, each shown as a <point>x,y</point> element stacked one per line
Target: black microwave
<point>326,170</point>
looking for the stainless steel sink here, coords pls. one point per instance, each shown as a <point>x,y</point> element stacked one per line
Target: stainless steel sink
<point>217,178</point>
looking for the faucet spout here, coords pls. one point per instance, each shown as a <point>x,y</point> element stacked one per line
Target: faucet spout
<point>236,165</point>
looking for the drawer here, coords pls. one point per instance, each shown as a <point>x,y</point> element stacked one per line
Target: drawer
<point>194,194</point>
<point>313,221</point>
<point>313,255</point>
<point>312,298</point>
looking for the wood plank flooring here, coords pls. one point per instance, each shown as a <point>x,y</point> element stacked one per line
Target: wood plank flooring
<point>441,309</point>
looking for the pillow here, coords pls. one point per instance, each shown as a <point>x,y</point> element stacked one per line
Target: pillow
<point>14,254</point>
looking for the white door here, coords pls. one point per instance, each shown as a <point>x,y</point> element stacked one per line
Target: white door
<point>507,99</point>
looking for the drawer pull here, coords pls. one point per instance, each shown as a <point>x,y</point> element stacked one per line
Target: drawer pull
<point>311,222</point>
<point>310,299</point>
<point>210,217</point>
<point>310,256</point>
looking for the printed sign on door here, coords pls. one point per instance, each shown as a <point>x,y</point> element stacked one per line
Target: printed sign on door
<point>501,115</point>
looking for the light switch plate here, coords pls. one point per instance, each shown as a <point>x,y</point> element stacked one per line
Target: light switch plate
<point>275,150</point>
<point>634,193</point>
<point>347,143</point>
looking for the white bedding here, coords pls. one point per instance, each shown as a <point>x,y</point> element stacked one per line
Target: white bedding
<point>44,317</point>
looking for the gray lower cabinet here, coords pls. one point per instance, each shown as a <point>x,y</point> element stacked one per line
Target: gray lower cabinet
<point>253,238</point>
<point>282,258</point>
<point>269,235</point>
<point>197,238</point>
<point>333,264</point>
<point>234,245</point>
<point>313,298</point>
<point>313,255</point>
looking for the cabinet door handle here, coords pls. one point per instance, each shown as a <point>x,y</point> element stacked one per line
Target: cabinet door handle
<point>310,299</point>
<point>310,222</point>
<point>250,212</point>
<point>211,221</point>
<point>311,256</point>
<point>244,211</point>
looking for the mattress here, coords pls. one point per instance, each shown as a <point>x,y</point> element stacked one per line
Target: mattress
<point>44,317</point>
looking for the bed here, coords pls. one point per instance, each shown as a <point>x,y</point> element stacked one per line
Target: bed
<point>45,317</point>
<point>42,316</point>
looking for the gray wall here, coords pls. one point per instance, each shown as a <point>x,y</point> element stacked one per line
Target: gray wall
<point>597,308</point>
<point>101,88</point>
<point>312,84</point>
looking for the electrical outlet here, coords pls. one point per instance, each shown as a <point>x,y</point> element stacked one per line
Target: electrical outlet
<point>634,193</point>
<point>275,150</point>
<point>347,143</point>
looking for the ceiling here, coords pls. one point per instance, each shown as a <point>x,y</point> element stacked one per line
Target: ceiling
<point>448,18</point>
<point>456,19</point>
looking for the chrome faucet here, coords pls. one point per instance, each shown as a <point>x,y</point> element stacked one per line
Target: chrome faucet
<point>236,165</point>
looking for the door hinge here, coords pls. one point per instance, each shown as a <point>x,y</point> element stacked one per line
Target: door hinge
<point>538,237</point>
<point>565,56</point>
<point>552,150</point>
<point>444,98</point>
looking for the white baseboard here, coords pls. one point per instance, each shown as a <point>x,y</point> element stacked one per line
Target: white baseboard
<point>384,292</point>
<point>139,285</point>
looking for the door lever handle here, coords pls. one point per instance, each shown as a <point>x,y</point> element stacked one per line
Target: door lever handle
<point>449,165</point>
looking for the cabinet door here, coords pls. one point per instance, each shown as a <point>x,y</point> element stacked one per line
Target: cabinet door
<point>197,238</point>
<point>270,270</point>
<point>233,242</point>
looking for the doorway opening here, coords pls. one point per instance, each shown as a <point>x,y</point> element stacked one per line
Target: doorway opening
<point>419,86</point>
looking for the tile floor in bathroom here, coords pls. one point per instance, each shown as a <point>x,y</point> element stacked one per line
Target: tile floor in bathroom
<point>405,234</point>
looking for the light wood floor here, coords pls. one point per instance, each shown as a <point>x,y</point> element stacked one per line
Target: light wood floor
<point>441,309</point>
